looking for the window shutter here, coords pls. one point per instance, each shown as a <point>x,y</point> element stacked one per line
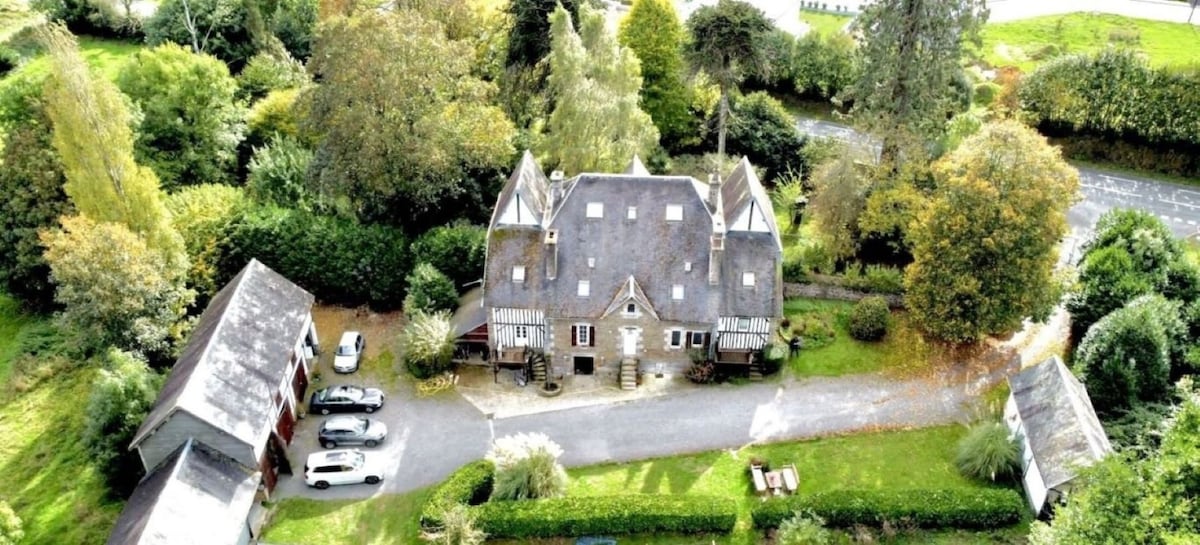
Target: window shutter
<point>591,335</point>
<point>706,339</point>
<point>574,335</point>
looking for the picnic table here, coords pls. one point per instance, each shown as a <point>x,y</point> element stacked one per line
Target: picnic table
<point>774,481</point>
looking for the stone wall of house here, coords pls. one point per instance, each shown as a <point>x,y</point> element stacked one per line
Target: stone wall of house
<point>654,351</point>
<point>830,291</point>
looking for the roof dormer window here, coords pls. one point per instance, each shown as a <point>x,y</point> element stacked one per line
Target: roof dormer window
<point>595,210</point>
<point>687,266</point>
<point>748,279</point>
<point>631,213</point>
<point>518,274</point>
<point>584,289</point>
<point>677,292</point>
<point>591,263</point>
<point>674,212</point>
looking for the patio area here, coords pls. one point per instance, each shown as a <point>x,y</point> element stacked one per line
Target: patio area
<point>501,396</point>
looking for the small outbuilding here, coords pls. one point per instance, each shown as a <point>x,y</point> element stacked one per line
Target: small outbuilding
<point>1050,413</point>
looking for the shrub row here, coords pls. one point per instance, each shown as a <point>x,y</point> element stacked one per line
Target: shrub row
<point>339,260</point>
<point>968,509</point>
<point>470,484</point>
<point>627,514</point>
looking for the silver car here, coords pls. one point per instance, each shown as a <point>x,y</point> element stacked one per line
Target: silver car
<point>351,430</point>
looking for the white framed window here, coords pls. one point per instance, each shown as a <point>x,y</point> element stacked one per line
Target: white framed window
<point>748,279</point>
<point>631,213</point>
<point>518,274</point>
<point>677,292</point>
<point>676,338</point>
<point>582,336</point>
<point>674,212</point>
<point>743,324</point>
<point>591,263</point>
<point>687,266</point>
<point>595,210</point>
<point>584,289</point>
<point>521,333</point>
<point>697,339</point>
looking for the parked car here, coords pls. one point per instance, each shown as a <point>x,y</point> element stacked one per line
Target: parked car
<point>349,352</point>
<point>351,430</point>
<point>345,399</point>
<point>340,467</point>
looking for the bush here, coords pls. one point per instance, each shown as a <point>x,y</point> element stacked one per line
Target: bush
<point>9,60</point>
<point>339,261</point>
<point>470,484</point>
<point>923,508</point>
<point>269,71</point>
<point>429,291</point>
<point>459,527</point>
<point>988,453</point>
<point>427,344</point>
<point>803,529</point>
<point>822,66</point>
<point>598,515</point>
<point>279,174</point>
<point>204,215</point>
<point>701,372</point>
<point>876,279</point>
<point>869,319</point>
<point>274,116</point>
<point>985,93</point>
<point>527,467</point>
<point>1127,356</point>
<point>119,401</point>
<point>456,250</point>
<point>103,18</point>
<point>10,526</point>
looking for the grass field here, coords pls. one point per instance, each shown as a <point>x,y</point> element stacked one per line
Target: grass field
<point>901,351</point>
<point>48,478</point>
<point>825,23</point>
<point>105,56</point>
<point>888,460</point>
<point>1027,43</point>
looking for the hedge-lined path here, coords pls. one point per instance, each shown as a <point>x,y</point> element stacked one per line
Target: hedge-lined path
<point>430,437</point>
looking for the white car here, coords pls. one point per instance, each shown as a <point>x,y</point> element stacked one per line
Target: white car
<point>349,352</point>
<point>324,469</point>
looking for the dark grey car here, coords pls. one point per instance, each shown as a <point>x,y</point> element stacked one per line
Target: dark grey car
<point>351,430</point>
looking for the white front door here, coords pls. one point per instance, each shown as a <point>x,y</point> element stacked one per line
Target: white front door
<point>629,339</point>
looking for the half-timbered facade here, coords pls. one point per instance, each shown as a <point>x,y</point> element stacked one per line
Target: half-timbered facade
<point>600,272</point>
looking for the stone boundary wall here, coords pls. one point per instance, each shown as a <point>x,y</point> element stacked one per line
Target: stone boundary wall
<point>830,291</point>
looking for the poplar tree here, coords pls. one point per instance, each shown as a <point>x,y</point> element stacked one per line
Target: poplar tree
<point>596,124</point>
<point>652,30</point>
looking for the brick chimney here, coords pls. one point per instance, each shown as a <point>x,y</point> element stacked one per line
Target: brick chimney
<point>551,254</point>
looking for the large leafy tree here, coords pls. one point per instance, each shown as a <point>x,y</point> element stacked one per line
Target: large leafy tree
<point>115,290</point>
<point>404,126</point>
<point>764,131</point>
<point>1127,356</point>
<point>225,29</point>
<point>31,192</point>
<point>190,122</point>
<point>985,248</point>
<point>529,39</point>
<point>596,124</point>
<point>94,140</point>
<point>653,32</point>
<point>910,59</point>
<point>728,43</point>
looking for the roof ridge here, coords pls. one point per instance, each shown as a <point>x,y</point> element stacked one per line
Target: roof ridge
<point>216,333</point>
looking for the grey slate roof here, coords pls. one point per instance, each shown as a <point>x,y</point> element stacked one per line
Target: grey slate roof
<point>1059,420</point>
<point>470,314</point>
<point>237,357</point>
<point>739,189</point>
<point>650,249</point>
<point>528,181</point>
<point>196,496</point>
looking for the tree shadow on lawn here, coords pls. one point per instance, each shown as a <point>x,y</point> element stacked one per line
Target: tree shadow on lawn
<point>674,475</point>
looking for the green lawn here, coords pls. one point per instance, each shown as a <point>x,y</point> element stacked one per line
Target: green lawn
<point>831,351</point>
<point>48,478</point>
<point>825,23</point>
<point>1029,42</point>
<point>887,460</point>
<point>103,55</point>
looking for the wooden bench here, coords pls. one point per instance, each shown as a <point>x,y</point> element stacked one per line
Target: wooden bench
<point>760,482</point>
<point>791,479</point>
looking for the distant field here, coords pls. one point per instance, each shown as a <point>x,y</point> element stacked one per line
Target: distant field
<point>105,56</point>
<point>825,23</point>
<point>1028,43</point>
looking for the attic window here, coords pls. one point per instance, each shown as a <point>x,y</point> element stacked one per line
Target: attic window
<point>748,279</point>
<point>674,212</point>
<point>677,292</point>
<point>595,210</point>
<point>687,266</point>
<point>591,262</point>
<point>518,274</point>
<point>584,289</point>
<point>631,213</point>
<point>631,309</point>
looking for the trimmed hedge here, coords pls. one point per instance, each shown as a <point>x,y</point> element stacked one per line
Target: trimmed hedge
<point>599,515</point>
<point>470,484</point>
<point>967,509</point>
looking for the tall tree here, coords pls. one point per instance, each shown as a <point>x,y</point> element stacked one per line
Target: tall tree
<point>529,39</point>
<point>985,248</point>
<point>224,29</point>
<point>190,121</point>
<point>31,192</point>
<point>93,138</point>
<point>910,57</point>
<point>404,125</point>
<point>728,43</point>
<point>653,32</point>
<point>596,124</point>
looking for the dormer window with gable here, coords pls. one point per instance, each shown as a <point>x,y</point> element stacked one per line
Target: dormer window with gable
<point>518,274</point>
<point>674,212</point>
<point>595,210</point>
